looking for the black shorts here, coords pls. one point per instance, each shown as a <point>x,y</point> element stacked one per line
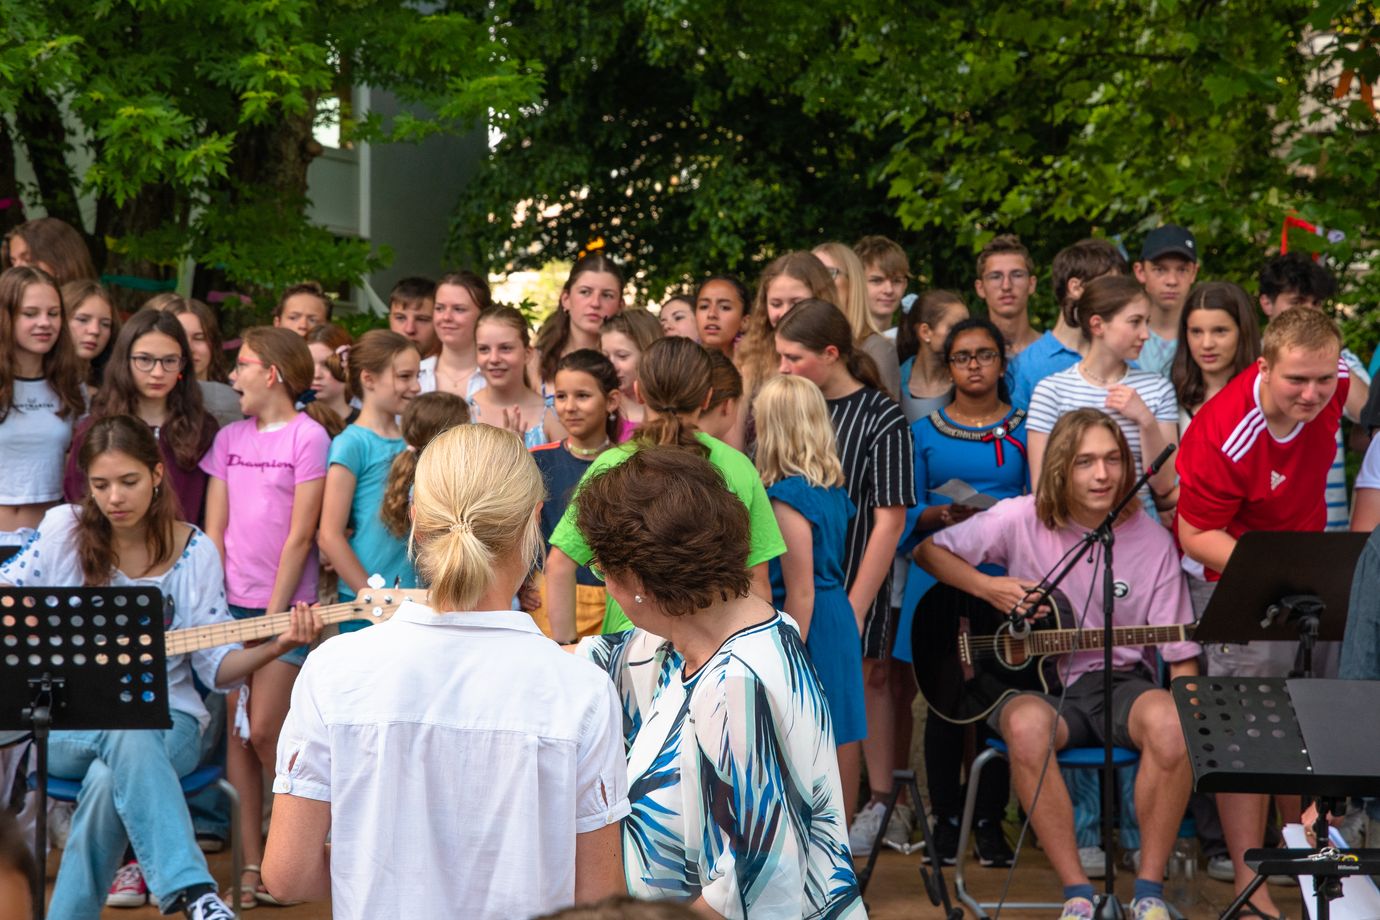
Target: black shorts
<point>1083,706</point>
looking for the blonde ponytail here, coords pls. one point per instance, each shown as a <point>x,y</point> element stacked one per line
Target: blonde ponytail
<point>475,502</point>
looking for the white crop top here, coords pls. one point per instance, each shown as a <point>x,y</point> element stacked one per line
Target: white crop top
<point>33,445</point>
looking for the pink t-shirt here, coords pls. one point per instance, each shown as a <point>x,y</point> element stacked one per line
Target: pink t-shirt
<point>1147,580</point>
<point>261,470</point>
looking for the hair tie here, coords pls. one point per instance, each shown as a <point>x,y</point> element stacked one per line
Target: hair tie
<point>343,353</point>
<point>307,398</point>
<point>461,526</point>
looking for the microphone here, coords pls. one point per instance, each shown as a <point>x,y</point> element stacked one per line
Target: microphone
<point>1161,460</point>
<point>1020,622</point>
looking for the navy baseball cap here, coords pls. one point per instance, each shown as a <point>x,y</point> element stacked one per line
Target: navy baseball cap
<point>1169,240</point>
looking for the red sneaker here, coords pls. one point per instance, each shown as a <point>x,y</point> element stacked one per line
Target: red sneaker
<point>128,889</point>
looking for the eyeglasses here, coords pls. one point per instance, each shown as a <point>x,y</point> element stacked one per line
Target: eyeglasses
<point>1016,276</point>
<point>170,363</point>
<point>986,357</point>
<point>242,363</point>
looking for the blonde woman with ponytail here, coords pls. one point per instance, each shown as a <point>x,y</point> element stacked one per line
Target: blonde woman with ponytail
<point>674,383</point>
<point>383,722</point>
<point>266,475</point>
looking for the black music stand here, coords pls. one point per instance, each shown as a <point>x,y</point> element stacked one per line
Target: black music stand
<point>1282,585</point>
<point>1275,735</point>
<point>80,658</point>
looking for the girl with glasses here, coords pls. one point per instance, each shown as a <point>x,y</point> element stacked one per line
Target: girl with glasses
<point>980,439</point>
<point>1113,314</point>
<point>150,376</point>
<point>268,473</point>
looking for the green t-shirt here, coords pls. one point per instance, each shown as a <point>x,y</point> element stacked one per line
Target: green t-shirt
<point>740,476</point>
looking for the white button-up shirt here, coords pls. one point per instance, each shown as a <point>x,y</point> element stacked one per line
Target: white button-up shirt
<point>461,754</point>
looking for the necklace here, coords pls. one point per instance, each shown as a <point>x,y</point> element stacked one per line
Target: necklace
<point>587,452</point>
<point>976,421</point>
<point>1099,380</point>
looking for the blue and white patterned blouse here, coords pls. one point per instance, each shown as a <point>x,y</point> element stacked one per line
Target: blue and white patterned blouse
<point>732,776</point>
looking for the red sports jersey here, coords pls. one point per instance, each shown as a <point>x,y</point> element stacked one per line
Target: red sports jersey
<point>1234,475</point>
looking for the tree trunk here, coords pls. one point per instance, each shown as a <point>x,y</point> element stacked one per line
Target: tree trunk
<point>11,208</point>
<point>39,122</point>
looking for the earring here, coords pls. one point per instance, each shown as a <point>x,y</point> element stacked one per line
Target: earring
<point>639,598</point>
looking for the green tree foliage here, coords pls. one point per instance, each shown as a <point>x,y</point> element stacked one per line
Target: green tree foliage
<point>677,157</point>
<point>699,135</point>
<point>197,118</point>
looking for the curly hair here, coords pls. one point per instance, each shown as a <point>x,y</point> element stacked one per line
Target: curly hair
<point>425,417</point>
<point>666,517</point>
<point>756,355</point>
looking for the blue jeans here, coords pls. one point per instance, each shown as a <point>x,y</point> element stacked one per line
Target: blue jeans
<point>129,795</point>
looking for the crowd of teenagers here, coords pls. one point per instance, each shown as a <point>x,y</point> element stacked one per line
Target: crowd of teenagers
<point>731,515</point>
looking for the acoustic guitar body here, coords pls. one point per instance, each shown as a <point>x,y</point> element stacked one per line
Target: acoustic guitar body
<point>962,692</point>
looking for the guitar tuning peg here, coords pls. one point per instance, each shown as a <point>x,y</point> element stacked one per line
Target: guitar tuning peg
<point>376,581</point>
<point>377,612</point>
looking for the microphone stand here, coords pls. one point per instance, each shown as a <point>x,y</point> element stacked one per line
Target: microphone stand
<point>1107,907</point>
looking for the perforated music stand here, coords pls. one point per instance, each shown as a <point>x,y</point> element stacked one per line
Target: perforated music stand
<point>1274,736</point>
<point>1284,585</point>
<point>80,658</point>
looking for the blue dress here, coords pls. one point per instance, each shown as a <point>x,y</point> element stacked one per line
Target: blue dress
<point>991,459</point>
<point>833,641</point>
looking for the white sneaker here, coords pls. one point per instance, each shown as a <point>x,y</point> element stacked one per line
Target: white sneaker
<point>1094,862</point>
<point>209,907</point>
<point>900,828</point>
<point>863,831</point>
<point>59,823</point>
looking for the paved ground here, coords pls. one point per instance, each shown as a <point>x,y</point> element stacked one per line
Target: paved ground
<point>895,892</point>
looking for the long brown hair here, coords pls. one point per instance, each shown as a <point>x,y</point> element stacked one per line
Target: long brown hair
<point>218,370</point>
<point>674,378</point>
<point>57,244</point>
<point>756,356</point>
<point>1054,491</point>
<point>76,293</point>
<point>1184,372</point>
<point>554,334</point>
<point>817,324</point>
<point>61,366</point>
<point>288,352</point>
<point>187,426</point>
<point>95,549</point>
<point>425,417</point>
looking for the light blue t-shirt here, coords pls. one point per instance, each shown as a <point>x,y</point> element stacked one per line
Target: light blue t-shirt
<point>1157,354</point>
<point>1046,355</point>
<point>369,457</point>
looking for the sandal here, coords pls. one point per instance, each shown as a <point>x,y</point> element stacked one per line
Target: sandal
<point>246,896</point>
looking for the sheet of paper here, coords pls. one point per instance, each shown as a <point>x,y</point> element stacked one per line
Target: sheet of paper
<point>1360,899</point>
<point>960,493</point>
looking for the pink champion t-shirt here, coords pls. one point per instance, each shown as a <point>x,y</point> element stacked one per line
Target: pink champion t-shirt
<point>261,470</point>
<point>1148,583</point>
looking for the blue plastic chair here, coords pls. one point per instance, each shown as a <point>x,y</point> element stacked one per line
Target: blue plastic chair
<point>66,790</point>
<point>1086,758</point>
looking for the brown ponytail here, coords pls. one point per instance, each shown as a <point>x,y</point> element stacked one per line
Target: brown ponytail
<point>817,324</point>
<point>674,378</point>
<point>425,417</point>
<point>287,351</point>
